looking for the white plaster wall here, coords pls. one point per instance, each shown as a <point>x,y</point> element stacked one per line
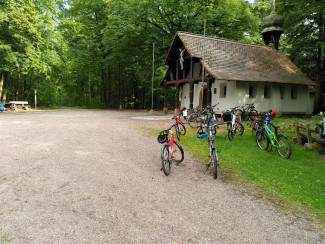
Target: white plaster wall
<point>299,105</point>
<point>238,95</point>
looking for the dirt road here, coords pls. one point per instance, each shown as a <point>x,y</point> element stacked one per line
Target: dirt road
<point>92,176</point>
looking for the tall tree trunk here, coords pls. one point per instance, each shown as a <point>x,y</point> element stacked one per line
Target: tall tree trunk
<point>135,91</point>
<point>119,86</point>
<point>17,86</point>
<point>2,79</point>
<point>321,63</point>
<point>104,85</point>
<point>109,86</point>
<point>5,87</point>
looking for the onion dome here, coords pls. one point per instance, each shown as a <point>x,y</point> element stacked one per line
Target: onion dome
<point>272,29</point>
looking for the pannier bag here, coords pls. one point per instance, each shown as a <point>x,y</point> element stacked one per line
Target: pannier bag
<point>226,115</point>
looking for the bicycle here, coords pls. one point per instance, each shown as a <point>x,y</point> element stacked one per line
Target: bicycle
<point>180,128</point>
<point>234,126</point>
<point>247,111</point>
<point>193,117</point>
<point>171,151</point>
<point>213,157</point>
<point>256,125</point>
<point>199,118</point>
<point>265,136</point>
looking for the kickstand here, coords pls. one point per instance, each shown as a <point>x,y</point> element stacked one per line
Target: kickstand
<point>207,167</point>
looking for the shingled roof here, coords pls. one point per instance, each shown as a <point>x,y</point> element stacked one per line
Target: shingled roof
<point>232,60</point>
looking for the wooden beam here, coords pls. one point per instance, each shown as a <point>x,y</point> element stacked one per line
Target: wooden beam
<point>198,79</point>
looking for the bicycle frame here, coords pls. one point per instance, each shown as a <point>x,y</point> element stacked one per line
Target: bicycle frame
<point>233,121</point>
<point>170,144</point>
<point>270,134</point>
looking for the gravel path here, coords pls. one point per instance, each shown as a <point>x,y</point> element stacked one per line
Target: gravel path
<point>91,176</point>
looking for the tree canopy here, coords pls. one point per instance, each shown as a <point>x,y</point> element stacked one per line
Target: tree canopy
<point>98,53</point>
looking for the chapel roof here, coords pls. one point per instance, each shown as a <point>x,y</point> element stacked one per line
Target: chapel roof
<point>231,60</point>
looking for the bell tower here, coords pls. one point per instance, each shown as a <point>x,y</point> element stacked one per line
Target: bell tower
<point>272,28</point>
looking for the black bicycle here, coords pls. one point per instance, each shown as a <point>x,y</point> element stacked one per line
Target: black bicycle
<point>246,112</point>
<point>213,156</point>
<point>195,120</point>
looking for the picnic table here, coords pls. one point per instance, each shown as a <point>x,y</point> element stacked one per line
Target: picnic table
<point>14,104</point>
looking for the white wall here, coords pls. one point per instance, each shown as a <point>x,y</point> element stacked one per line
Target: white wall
<point>238,94</point>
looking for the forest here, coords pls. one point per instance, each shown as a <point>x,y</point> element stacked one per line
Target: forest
<point>99,53</point>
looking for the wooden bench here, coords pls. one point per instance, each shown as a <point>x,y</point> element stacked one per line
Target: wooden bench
<point>311,135</point>
<point>14,104</point>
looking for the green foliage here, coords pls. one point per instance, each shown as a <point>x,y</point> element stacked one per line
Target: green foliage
<point>99,52</point>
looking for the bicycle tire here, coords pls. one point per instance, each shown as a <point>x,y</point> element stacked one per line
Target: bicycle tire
<point>192,120</point>
<point>262,140</point>
<point>240,128</point>
<point>165,160</point>
<point>230,132</point>
<point>254,126</point>
<point>283,146</point>
<point>183,129</point>
<point>178,152</point>
<point>214,159</point>
<point>240,114</point>
<point>177,132</point>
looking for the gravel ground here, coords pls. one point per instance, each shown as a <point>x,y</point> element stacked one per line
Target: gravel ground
<point>92,176</point>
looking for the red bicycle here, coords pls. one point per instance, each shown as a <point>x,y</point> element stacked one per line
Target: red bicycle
<point>179,126</point>
<point>171,151</point>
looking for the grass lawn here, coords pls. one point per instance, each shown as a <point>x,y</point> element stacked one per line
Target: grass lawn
<point>297,183</point>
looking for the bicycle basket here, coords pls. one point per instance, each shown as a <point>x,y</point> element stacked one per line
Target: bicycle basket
<point>226,116</point>
<point>162,137</point>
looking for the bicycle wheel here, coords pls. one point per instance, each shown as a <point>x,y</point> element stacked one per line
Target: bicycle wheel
<point>262,140</point>
<point>177,132</point>
<point>240,128</point>
<point>283,146</point>
<point>230,132</point>
<point>183,129</point>
<point>165,161</point>
<point>240,114</point>
<point>214,159</point>
<point>178,152</point>
<point>193,120</point>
